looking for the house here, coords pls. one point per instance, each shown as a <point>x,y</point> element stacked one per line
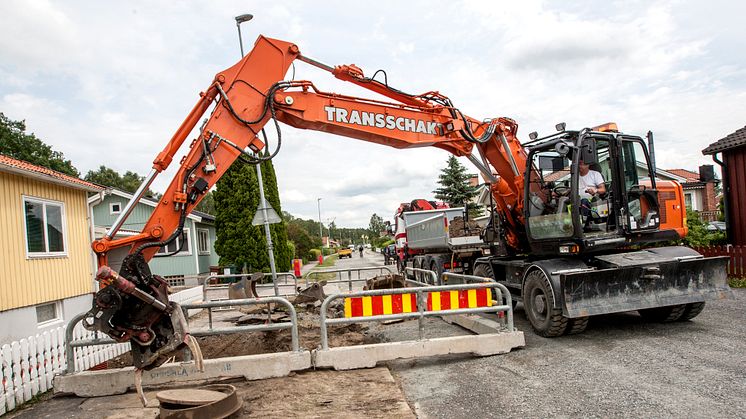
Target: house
<point>732,149</point>
<point>46,270</point>
<point>196,247</point>
<point>699,189</point>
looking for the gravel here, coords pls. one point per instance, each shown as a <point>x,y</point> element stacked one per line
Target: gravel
<point>620,367</point>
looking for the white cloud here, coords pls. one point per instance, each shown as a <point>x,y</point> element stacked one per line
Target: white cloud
<point>110,83</point>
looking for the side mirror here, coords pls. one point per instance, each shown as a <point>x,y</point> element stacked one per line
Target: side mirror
<point>588,152</point>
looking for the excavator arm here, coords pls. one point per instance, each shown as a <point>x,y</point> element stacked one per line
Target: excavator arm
<point>133,304</point>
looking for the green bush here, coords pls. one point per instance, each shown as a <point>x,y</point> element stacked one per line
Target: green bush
<point>314,254</point>
<point>698,234</point>
<point>737,282</point>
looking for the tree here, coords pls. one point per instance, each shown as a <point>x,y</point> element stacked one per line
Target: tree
<point>239,242</point>
<point>109,177</point>
<point>207,204</point>
<point>279,232</point>
<point>455,189</point>
<point>15,143</point>
<point>376,225</point>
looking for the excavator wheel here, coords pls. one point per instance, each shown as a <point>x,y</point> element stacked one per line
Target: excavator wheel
<point>538,301</point>
<point>576,325</point>
<point>691,311</point>
<point>665,314</point>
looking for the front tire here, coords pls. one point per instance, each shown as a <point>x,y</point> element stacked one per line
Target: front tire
<point>538,301</point>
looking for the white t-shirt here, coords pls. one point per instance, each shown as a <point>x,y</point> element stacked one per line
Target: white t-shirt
<point>591,180</point>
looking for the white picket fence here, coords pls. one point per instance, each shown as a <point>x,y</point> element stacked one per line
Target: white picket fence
<point>28,366</point>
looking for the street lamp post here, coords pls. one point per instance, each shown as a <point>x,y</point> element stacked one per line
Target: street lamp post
<point>239,20</point>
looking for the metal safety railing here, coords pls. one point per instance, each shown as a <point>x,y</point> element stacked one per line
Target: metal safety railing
<point>207,286</point>
<point>70,344</point>
<point>350,280</point>
<point>432,274</point>
<point>421,299</point>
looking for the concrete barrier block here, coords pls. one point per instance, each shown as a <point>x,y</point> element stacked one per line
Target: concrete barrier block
<point>367,356</point>
<point>119,381</point>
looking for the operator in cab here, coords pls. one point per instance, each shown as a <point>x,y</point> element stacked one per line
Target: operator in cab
<point>590,185</point>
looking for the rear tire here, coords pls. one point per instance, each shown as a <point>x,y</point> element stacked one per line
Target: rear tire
<point>437,267</point>
<point>691,311</point>
<point>665,314</point>
<point>576,325</point>
<point>538,301</point>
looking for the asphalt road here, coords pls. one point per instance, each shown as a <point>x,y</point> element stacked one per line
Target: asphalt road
<point>620,367</point>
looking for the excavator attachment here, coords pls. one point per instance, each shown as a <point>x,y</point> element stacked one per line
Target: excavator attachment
<point>651,278</point>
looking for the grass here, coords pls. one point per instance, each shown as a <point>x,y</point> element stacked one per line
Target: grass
<point>329,261</point>
<point>737,282</point>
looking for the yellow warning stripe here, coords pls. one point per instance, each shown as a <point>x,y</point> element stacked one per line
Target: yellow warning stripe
<point>367,306</point>
<point>387,306</point>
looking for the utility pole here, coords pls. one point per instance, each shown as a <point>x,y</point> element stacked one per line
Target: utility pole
<point>239,20</point>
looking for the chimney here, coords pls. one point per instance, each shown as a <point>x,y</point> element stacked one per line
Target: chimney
<point>706,173</point>
<point>474,180</point>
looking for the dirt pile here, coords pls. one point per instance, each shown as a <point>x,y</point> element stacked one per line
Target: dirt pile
<point>458,227</point>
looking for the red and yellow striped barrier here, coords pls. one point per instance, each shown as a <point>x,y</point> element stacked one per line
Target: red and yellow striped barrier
<point>376,305</point>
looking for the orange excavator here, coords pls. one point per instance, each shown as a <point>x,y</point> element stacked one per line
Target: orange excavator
<point>566,251</point>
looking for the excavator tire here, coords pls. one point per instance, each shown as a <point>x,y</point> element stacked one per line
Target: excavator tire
<point>538,301</point>
<point>576,325</point>
<point>691,311</point>
<point>665,314</point>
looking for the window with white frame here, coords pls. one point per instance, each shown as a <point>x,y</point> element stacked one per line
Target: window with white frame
<point>115,208</point>
<point>48,313</point>
<point>181,244</point>
<point>203,241</point>
<point>45,227</point>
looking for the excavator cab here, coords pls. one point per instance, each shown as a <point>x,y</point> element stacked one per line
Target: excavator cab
<point>589,191</point>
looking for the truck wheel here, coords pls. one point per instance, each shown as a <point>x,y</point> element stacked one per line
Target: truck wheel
<point>416,265</point>
<point>691,311</point>
<point>538,301</point>
<point>576,325</point>
<point>485,271</point>
<point>663,314</point>
<point>436,265</point>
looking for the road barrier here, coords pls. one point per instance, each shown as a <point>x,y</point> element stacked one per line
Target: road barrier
<point>251,367</point>
<point>71,343</point>
<point>349,271</point>
<point>427,301</point>
<point>207,286</point>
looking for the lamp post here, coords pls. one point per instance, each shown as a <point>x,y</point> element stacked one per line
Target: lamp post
<point>239,20</point>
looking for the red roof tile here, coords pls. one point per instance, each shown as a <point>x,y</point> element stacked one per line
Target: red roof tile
<point>20,166</point>
<point>686,174</point>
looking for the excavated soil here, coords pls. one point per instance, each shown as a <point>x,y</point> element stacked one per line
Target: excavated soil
<point>252,343</point>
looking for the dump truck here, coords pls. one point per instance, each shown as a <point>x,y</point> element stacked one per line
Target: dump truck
<point>432,236</point>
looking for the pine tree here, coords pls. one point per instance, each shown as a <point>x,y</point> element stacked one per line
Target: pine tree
<point>239,243</point>
<point>455,189</point>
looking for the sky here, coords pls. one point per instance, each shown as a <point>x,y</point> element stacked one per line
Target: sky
<point>110,82</point>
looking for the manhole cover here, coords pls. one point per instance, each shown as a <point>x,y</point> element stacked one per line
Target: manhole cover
<point>213,401</point>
